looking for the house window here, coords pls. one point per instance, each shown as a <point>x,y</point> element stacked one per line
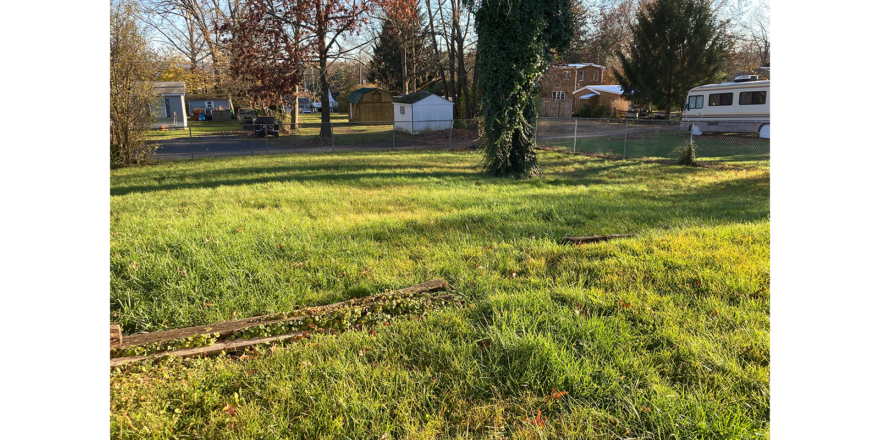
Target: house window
<point>695,102</point>
<point>559,96</point>
<point>402,111</point>
<point>566,75</point>
<point>209,104</point>
<point>596,76</point>
<point>752,98</point>
<point>167,108</point>
<point>720,99</point>
<point>377,96</point>
<point>581,75</point>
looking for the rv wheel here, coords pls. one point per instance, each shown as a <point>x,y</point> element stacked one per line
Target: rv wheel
<point>764,132</point>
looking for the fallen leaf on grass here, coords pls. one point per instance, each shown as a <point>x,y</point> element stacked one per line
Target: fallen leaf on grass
<point>208,304</point>
<point>559,394</point>
<point>536,421</point>
<point>484,343</point>
<point>230,409</point>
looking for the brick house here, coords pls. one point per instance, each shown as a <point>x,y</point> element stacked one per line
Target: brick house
<point>562,84</point>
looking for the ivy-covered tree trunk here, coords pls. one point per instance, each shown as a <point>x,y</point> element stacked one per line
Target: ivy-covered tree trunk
<point>516,42</point>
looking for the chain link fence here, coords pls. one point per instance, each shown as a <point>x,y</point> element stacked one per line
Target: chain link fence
<point>625,138</point>
<point>219,139</point>
<point>652,139</point>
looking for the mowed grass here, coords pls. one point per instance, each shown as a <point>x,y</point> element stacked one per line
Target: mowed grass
<point>673,340</point>
<point>737,149</point>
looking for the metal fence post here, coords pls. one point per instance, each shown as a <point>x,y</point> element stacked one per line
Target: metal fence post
<point>451,127</point>
<point>191,149</point>
<point>266,135</point>
<point>536,130</point>
<point>332,139</point>
<point>393,127</point>
<point>692,132</point>
<point>575,146</point>
<point>625,130</point>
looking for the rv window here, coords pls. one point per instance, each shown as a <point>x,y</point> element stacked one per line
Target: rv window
<point>721,99</point>
<point>752,98</point>
<point>695,102</point>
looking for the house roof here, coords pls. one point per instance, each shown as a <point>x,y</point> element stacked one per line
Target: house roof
<point>581,65</point>
<point>207,97</point>
<point>355,96</point>
<point>617,90</point>
<point>415,97</point>
<point>169,88</point>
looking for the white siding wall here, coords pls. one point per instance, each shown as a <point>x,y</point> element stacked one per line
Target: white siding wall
<point>403,122</point>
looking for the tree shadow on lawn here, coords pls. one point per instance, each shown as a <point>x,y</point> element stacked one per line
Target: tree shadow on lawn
<point>335,173</point>
<point>571,214</point>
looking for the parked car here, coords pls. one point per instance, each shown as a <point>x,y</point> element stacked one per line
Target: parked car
<point>264,126</point>
<point>245,115</point>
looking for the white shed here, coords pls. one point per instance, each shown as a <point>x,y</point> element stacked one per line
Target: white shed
<point>421,112</point>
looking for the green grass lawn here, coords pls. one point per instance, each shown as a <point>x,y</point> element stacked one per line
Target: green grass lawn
<point>729,148</point>
<point>672,342</point>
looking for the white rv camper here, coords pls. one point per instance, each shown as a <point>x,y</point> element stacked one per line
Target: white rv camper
<point>742,106</point>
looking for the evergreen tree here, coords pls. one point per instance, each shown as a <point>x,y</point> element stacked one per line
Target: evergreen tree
<point>676,46</point>
<point>403,42</point>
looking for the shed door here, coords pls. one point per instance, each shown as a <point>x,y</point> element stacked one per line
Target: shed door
<point>167,108</point>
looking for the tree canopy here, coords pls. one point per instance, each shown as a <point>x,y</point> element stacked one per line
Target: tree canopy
<point>402,58</point>
<point>517,39</point>
<point>676,46</point>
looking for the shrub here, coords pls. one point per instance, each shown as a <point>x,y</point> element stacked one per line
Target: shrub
<point>585,111</point>
<point>688,155</point>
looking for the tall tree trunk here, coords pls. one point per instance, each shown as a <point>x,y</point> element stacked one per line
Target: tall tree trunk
<point>450,46</point>
<point>437,50</point>
<point>403,78</point>
<point>294,118</point>
<point>325,98</point>
<point>463,78</point>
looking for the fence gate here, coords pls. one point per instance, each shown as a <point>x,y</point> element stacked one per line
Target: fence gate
<point>556,108</point>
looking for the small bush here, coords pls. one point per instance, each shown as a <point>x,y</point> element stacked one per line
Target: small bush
<point>688,155</point>
<point>585,111</point>
<point>599,111</point>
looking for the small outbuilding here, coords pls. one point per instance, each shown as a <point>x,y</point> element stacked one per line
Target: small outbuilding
<point>421,112</point>
<point>611,96</point>
<point>370,104</point>
<point>168,106</point>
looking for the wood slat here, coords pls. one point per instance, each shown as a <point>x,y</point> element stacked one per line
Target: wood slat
<point>219,347</point>
<point>593,238</point>
<point>115,336</point>
<point>226,328</point>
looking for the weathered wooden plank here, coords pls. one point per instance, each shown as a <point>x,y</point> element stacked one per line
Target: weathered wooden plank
<point>593,238</point>
<point>228,347</point>
<point>226,328</point>
<point>115,336</point>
